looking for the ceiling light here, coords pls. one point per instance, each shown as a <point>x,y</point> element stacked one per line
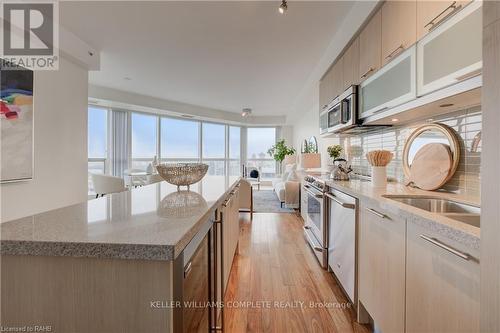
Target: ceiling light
<point>283,7</point>
<point>394,120</point>
<point>246,112</point>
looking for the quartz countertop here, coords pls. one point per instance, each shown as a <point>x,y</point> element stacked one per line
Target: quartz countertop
<point>461,232</point>
<point>153,222</point>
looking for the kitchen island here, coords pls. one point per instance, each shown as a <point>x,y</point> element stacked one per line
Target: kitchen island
<point>120,263</point>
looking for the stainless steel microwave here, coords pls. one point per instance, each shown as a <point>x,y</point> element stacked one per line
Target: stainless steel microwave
<point>343,111</point>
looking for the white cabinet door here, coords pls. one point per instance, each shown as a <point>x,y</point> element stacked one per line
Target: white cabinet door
<point>382,237</point>
<point>452,52</point>
<point>230,232</point>
<point>391,86</point>
<point>442,288</point>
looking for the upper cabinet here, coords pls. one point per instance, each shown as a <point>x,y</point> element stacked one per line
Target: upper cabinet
<point>391,86</point>
<point>399,29</point>
<point>350,65</point>
<point>331,85</point>
<point>337,86</point>
<point>432,13</point>
<point>452,52</point>
<point>370,42</point>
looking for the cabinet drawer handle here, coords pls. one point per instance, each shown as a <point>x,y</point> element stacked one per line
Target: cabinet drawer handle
<point>343,204</point>
<point>469,75</point>
<point>187,270</point>
<point>226,203</point>
<point>380,110</point>
<point>374,212</point>
<point>400,47</point>
<point>367,72</point>
<point>316,195</point>
<point>448,248</point>
<point>433,24</point>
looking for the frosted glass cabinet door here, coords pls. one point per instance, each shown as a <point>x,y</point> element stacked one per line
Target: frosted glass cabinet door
<point>391,86</point>
<point>452,52</point>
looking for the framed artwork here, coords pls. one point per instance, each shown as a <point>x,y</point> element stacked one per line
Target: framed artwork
<point>16,118</point>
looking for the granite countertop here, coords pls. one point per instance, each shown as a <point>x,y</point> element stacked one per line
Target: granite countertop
<point>461,232</point>
<point>153,222</point>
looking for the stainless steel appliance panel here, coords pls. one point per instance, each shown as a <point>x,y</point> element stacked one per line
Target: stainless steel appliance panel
<point>342,240</point>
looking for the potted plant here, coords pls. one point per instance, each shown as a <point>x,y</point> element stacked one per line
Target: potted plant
<point>334,152</point>
<point>279,151</point>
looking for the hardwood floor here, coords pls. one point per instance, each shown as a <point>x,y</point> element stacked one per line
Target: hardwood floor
<point>276,284</point>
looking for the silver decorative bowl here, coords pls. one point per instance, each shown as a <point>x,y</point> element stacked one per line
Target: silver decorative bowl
<point>182,174</point>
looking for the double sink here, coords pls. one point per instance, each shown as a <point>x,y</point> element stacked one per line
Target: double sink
<point>458,211</point>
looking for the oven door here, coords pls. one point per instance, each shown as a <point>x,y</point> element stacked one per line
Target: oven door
<point>315,213</point>
<point>314,228</point>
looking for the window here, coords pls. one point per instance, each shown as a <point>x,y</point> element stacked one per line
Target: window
<point>213,140</point>
<point>173,140</point>
<point>180,139</point>
<point>234,151</point>
<point>144,140</point>
<point>214,148</point>
<point>259,140</point>
<point>97,142</point>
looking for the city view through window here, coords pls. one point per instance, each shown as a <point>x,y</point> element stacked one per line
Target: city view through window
<point>174,140</point>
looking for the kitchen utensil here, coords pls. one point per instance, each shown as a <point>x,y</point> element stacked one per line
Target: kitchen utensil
<point>431,166</point>
<point>379,157</point>
<point>379,176</point>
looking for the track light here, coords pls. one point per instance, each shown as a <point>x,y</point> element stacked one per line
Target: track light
<point>246,112</point>
<point>283,7</point>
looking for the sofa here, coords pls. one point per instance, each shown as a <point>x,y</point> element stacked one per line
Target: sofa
<point>287,188</point>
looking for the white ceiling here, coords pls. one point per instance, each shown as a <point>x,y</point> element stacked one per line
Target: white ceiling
<point>222,55</point>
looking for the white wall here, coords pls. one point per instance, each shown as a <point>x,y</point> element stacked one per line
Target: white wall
<point>60,151</point>
<point>307,125</point>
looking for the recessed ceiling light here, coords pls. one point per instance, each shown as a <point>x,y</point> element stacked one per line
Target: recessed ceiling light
<point>394,120</point>
<point>246,112</point>
<point>283,7</point>
<point>446,105</point>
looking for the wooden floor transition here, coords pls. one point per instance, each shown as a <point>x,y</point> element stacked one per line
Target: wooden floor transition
<point>274,272</point>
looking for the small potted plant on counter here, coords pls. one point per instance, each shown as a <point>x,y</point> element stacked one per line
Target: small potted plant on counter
<point>340,168</point>
<point>279,151</point>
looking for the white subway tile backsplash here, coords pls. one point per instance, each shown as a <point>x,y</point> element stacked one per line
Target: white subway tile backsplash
<point>466,123</point>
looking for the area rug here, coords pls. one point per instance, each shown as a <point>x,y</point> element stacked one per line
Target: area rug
<point>266,201</point>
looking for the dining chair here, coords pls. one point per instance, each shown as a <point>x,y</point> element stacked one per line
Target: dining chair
<point>106,184</point>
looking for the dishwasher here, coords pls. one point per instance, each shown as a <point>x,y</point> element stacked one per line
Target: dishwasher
<point>342,239</point>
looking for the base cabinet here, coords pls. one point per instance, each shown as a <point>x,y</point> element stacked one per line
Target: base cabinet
<point>231,232</point>
<point>442,288</point>
<point>382,266</point>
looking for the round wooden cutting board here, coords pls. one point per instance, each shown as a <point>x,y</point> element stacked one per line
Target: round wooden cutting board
<point>431,166</point>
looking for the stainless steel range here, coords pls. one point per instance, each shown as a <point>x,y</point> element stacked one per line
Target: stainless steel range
<point>316,224</point>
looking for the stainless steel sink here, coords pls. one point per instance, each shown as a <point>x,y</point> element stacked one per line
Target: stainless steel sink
<point>470,219</point>
<point>465,213</point>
